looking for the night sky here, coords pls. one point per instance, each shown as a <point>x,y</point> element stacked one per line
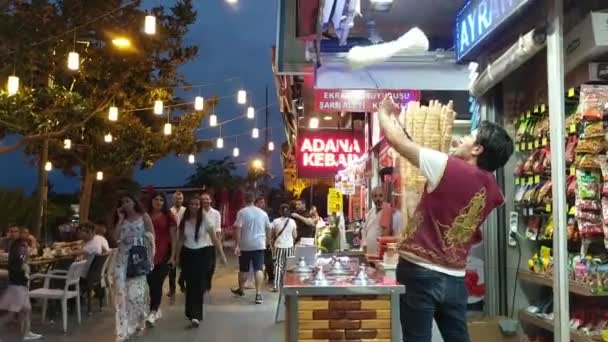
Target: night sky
<point>233,41</point>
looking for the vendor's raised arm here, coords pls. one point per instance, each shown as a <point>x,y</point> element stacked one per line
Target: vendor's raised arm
<point>394,133</point>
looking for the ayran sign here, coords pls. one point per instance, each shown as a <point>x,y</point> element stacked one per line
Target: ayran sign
<point>478,18</point>
<point>322,153</point>
<point>359,100</point>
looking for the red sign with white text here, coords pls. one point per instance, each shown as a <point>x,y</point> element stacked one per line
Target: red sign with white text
<point>322,153</point>
<point>359,100</point>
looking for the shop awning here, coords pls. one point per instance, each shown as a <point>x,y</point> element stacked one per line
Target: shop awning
<point>423,72</point>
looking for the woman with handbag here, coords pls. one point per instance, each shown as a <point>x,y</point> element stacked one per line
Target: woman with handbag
<point>165,233</point>
<point>283,233</point>
<point>197,242</point>
<point>135,240</point>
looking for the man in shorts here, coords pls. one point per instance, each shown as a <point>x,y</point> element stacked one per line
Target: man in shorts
<point>250,237</point>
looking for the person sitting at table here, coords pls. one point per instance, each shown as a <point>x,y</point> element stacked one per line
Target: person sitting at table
<point>94,245</point>
<point>101,230</point>
<point>16,300</point>
<point>12,234</point>
<point>32,243</point>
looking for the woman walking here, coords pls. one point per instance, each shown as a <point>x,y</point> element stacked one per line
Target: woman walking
<point>197,239</point>
<point>135,240</point>
<point>165,232</point>
<point>283,233</point>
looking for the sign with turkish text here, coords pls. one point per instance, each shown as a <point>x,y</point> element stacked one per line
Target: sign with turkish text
<point>334,201</point>
<point>322,153</point>
<point>477,20</point>
<point>359,100</point>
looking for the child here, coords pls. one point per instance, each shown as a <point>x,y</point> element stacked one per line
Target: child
<point>15,300</point>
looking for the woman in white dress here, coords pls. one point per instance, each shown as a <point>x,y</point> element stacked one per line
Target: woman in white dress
<point>133,228</point>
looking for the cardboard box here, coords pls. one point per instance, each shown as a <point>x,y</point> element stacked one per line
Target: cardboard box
<point>486,329</point>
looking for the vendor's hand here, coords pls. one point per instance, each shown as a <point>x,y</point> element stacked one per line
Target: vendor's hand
<point>391,128</point>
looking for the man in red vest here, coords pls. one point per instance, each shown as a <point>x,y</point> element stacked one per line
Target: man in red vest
<point>461,191</point>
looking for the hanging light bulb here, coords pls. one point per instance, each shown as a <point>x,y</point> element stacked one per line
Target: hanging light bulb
<point>199,103</point>
<point>12,86</point>
<point>67,144</point>
<point>219,143</point>
<point>235,152</point>
<point>168,129</point>
<point>255,133</point>
<point>213,120</point>
<point>48,166</point>
<point>99,175</point>
<point>73,60</point>
<point>250,112</point>
<point>232,2</point>
<point>241,97</point>
<point>191,159</point>
<point>270,146</point>
<point>108,138</point>
<point>313,123</point>
<point>113,113</point>
<point>150,25</point>
<point>158,107</point>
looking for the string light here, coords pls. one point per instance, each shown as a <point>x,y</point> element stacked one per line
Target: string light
<point>313,123</point>
<point>158,107</point>
<point>255,133</point>
<point>108,138</point>
<point>168,129</point>
<point>199,103</point>
<point>270,146</point>
<point>12,86</point>
<point>235,152</point>
<point>232,2</point>
<point>48,166</point>
<point>241,97</point>
<point>113,113</point>
<point>99,175</point>
<point>191,159</point>
<point>213,120</point>
<point>150,25</point>
<point>67,144</point>
<point>73,60</point>
<point>250,112</point>
<point>220,143</point>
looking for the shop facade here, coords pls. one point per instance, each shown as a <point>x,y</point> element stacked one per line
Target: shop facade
<point>547,241</point>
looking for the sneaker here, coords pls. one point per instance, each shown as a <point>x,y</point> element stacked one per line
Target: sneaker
<point>151,319</point>
<point>30,336</point>
<point>159,314</point>
<point>258,298</point>
<point>195,323</point>
<point>237,291</point>
<point>274,289</point>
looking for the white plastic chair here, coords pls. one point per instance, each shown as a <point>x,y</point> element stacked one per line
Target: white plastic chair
<point>70,290</point>
<point>107,275</point>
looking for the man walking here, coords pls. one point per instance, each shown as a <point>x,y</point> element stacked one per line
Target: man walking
<point>460,193</point>
<point>306,226</point>
<point>250,237</point>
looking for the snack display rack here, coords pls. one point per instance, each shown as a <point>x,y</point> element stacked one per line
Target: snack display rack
<point>587,202</point>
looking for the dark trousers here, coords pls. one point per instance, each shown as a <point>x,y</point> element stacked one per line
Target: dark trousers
<point>174,279</point>
<point>197,265</point>
<point>269,264</point>
<point>430,294</point>
<point>156,279</point>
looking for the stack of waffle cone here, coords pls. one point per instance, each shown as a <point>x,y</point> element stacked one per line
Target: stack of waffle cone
<point>431,127</point>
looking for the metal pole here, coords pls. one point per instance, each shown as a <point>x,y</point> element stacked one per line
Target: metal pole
<point>266,151</point>
<point>555,73</point>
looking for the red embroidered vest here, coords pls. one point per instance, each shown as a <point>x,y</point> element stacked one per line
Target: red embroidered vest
<point>447,221</point>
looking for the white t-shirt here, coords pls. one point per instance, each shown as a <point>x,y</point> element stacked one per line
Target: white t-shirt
<point>253,223</point>
<point>287,237</point>
<point>178,213</point>
<point>215,219</point>
<point>203,235</point>
<point>96,246</point>
<point>432,167</point>
<point>371,231</point>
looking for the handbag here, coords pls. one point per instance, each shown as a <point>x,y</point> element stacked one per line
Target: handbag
<point>138,263</point>
<point>273,240</point>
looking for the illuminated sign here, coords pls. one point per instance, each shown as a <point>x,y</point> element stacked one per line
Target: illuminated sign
<point>322,153</point>
<point>478,18</point>
<point>359,100</point>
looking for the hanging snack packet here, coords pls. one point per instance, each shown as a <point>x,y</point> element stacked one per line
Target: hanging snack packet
<point>593,130</point>
<point>588,183</point>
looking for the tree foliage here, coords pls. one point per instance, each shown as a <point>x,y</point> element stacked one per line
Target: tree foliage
<point>216,174</point>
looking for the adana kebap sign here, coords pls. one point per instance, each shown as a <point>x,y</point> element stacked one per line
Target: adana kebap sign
<point>478,18</point>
